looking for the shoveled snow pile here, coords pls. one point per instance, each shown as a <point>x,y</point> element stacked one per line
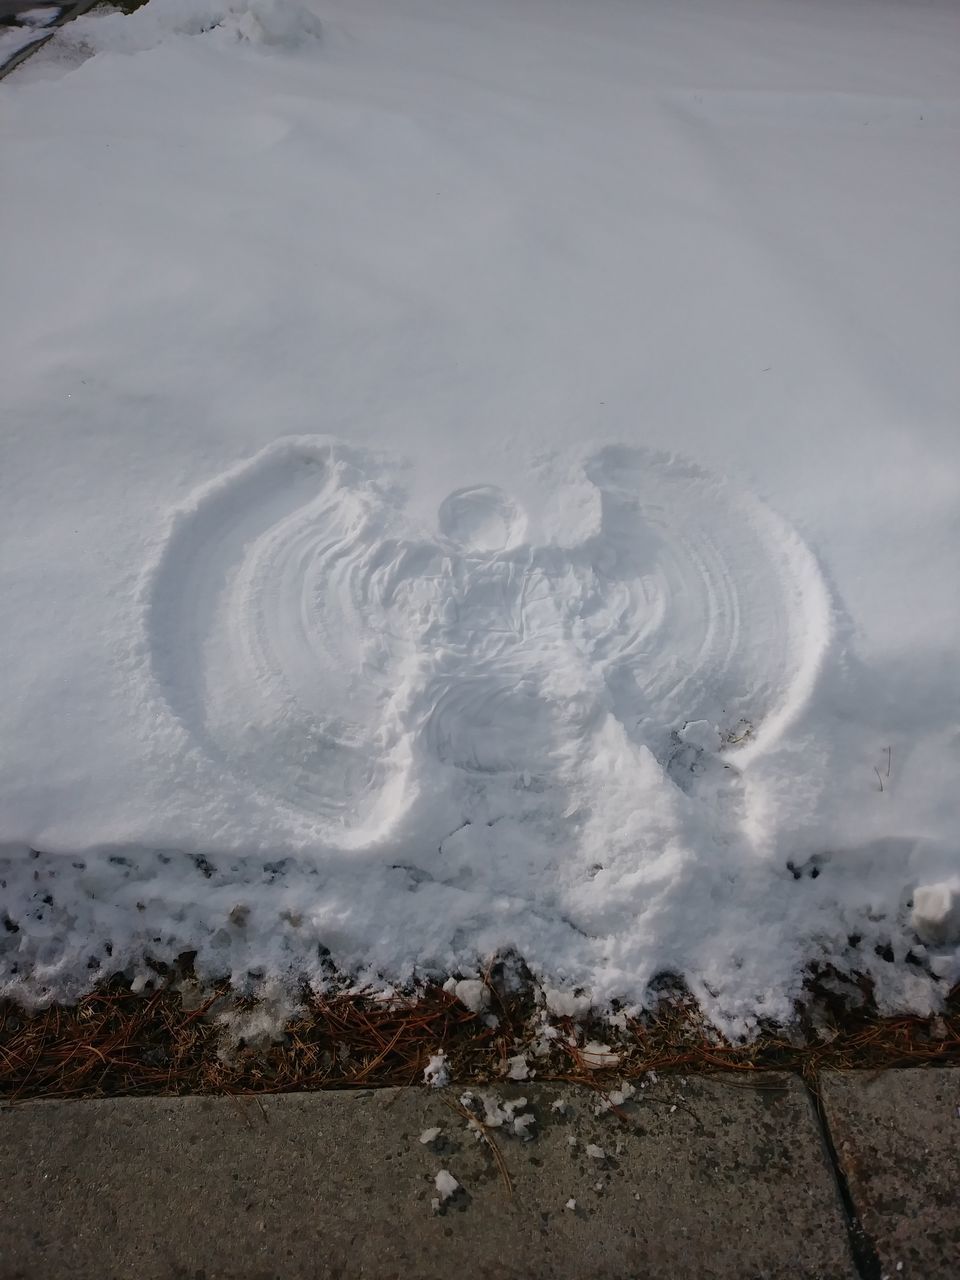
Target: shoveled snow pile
<point>478,478</point>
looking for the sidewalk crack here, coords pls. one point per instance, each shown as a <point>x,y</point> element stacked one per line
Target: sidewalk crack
<point>866,1260</point>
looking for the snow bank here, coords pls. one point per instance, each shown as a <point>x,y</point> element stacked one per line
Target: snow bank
<point>482,480</point>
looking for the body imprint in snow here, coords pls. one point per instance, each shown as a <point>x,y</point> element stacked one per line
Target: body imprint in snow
<point>341,661</point>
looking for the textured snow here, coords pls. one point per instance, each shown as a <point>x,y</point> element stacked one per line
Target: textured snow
<point>473,993</point>
<point>936,913</point>
<point>436,1073</point>
<point>518,1068</point>
<point>488,480</point>
<point>15,38</point>
<point>490,1111</point>
<point>268,22</point>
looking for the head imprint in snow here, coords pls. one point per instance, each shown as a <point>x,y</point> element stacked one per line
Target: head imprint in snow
<point>481,518</point>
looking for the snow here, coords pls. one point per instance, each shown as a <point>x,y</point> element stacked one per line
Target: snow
<point>446,1185</point>
<point>436,1073</point>
<point>936,913</point>
<point>596,1056</point>
<point>517,1068</point>
<point>471,992</point>
<point>478,479</point>
<point>430,1135</point>
<point>523,1126</point>
<point>255,1028</point>
<point>15,38</point>
<point>618,1097</point>
<point>615,1098</point>
<point>41,16</point>
<point>567,1004</point>
<point>513,1115</point>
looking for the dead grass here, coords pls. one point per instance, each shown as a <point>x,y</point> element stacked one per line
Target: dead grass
<point>115,1042</point>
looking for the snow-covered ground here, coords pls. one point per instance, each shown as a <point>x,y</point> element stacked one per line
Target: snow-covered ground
<point>25,27</point>
<point>484,475</point>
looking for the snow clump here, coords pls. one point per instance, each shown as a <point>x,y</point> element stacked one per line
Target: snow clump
<point>436,1073</point>
<point>936,913</point>
<point>446,1184</point>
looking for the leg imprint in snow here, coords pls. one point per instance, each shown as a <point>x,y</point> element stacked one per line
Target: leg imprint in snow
<point>329,654</point>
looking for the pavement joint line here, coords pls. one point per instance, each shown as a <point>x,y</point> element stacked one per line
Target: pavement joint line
<point>865,1256</point>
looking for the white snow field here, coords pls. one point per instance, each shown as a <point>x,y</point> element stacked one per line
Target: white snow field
<point>483,475</point>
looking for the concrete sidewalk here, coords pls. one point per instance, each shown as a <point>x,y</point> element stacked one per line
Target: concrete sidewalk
<point>716,1177</point>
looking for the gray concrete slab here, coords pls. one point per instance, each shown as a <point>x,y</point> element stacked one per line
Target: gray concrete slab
<point>733,1182</point>
<point>897,1139</point>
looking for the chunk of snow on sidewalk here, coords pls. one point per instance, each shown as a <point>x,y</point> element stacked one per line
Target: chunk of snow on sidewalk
<point>615,1097</point>
<point>490,1111</point>
<point>446,1184</point>
<point>523,1125</point>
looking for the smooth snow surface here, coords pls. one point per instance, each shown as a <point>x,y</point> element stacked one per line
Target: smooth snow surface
<point>482,477</point>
